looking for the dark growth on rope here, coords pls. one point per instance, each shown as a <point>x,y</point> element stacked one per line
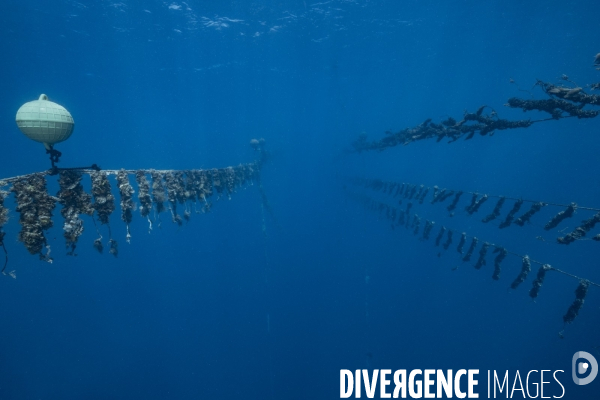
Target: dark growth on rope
<point>98,245</point>
<point>580,231</point>
<point>127,206</point>
<point>455,201</point>
<point>496,213</point>
<point>114,247</point>
<point>143,193</point>
<point>502,252</point>
<point>471,123</point>
<point>75,202</point>
<point>563,102</point>
<point>482,253</point>
<point>175,190</point>
<point>440,236</point>
<point>525,270</point>
<point>104,201</point>
<point>427,230</point>
<point>511,214</point>
<point>580,294</point>
<point>35,206</point>
<point>558,218</point>
<point>3,220</point>
<point>158,191</point>
<point>416,225</point>
<point>474,207</point>
<point>527,216</point>
<point>448,240</point>
<point>467,256</point>
<point>539,280</point>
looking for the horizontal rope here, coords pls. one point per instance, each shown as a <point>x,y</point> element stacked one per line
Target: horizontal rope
<point>563,102</point>
<point>157,191</point>
<point>500,247</point>
<point>466,192</point>
<point>5,181</point>
<point>534,201</point>
<point>553,268</point>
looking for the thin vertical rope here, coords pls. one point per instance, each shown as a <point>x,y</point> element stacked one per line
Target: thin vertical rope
<point>368,353</point>
<point>268,293</point>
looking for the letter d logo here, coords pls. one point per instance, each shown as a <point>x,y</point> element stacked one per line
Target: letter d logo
<point>583,367</point>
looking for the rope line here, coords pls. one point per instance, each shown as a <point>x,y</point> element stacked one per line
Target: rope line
<point>554,268</point>
<point>496,246</point>
<point>534,201</point>
<point>369,182</point>
<point>170,188</point>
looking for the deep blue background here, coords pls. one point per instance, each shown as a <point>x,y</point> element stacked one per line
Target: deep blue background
<point>216,310</point>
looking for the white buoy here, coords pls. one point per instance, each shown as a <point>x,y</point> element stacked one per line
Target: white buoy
<point>45,122</point>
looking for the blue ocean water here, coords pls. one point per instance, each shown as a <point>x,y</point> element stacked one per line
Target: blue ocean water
<point>223,308</point>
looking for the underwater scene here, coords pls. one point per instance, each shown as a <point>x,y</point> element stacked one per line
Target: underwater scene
<point>299,199</point>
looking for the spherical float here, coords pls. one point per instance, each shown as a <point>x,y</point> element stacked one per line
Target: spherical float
<point>45,121</point>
